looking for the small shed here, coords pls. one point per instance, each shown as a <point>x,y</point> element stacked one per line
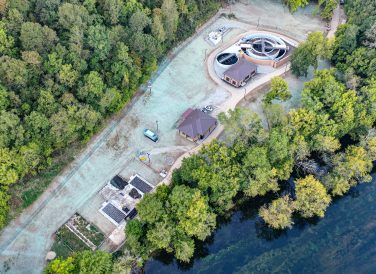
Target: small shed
<point>196,125</point>
<point>238,74</point>
<point>118,182</point>
<point>141,184</point>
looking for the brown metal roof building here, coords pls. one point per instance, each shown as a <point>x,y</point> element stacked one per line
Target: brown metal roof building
<point>240,73</point>
<point>196,125</point>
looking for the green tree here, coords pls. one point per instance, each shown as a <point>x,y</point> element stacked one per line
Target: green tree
<point>124,264</point>
<point>4,206</point>
<point>170,16</point>
<point>295,4</point>
<point>139,21</point>
<point>370,34</point>
<point>92,90</point>
<point>53,63</point>
<point>279,90</point>
<point>9,166</point>
<point>262,177</point>
<point>278,214</point>
<point>63,129</point>
<point>67,75</point>
<point>6,41</point>
<point>35,37</point>
<point>242,124</point>
<point>157,27</point>
<point>344,44</point>
<point>111,101</point>
<point>130,8</point>
<point>61,266</point>
<point>31,158</point>
<point>135,234</point>
<point>327,7</point>
<point>280,152</point>
<point>112,10</point>
<point>192,211</point>
<point>4,99</point>
<point>86,122</point>
<point>275,115</point>
<point>13,72</point>
<point>98,40</point>
<point>71,15</point>
<point>11,130</point>
<point>31,57</point>
<point>161,235</point>
<point>37,126</point>
<point>218,175</point>
<point>349,168</point>
<point>98,262</point>
<point>47,11</point>
<point>184,247</point>
<point>46,103</point>
<point>13,21</point>
<point>324,95</point>
<point>309,52</point>
<point>326,143</point>
<point>311,197</point>
<point>151,209</point>
<point>363,61</point>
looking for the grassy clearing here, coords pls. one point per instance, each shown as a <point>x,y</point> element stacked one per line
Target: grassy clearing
<point>90,231</point>
<point>67,243</point>
<point>61,249</point>
<point>29,189</point>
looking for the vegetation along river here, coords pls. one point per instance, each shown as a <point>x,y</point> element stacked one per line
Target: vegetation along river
<point>342,242</point>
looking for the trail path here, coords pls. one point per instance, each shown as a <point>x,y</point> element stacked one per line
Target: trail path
<point>338,18</point>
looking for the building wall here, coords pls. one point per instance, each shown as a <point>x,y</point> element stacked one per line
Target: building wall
<point>237,84</point>
<point>206,134</point>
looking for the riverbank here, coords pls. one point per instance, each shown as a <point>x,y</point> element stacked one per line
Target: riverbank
<point>342,242</point>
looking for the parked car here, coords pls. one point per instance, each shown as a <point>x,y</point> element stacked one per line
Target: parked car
<point>341,2</point>
<point>207,109</point>
<point>151,135</point>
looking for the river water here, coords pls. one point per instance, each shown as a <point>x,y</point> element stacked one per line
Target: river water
<point>342,242</point>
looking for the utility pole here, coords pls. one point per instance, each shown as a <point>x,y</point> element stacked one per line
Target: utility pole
<point>244,92</point>
<point>148,154</point>
<point>157,125</point>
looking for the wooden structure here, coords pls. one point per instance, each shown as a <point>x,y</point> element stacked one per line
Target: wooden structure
<point>238,74</point>
<point>196,125</point>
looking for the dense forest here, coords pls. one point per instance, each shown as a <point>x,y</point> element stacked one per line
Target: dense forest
<point>66,65</point>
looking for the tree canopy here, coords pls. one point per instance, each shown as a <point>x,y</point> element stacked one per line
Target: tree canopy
<point>67,65</point>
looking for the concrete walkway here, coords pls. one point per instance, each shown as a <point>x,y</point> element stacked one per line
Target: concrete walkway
<point>338,18</point>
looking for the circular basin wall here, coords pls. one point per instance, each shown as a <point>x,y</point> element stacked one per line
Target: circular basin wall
<point>263,46</point>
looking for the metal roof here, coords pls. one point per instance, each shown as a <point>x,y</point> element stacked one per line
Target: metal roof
<point>118,182</point>
<point>141,184</point>
<point>195,122</point>
<point>134,193</point>
<point>114,213</point>
<point>240,70</point>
